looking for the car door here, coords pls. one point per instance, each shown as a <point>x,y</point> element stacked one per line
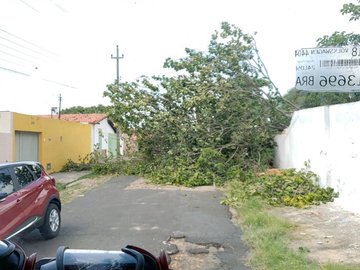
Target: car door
<point>28,193</point>
<point>10,208</point>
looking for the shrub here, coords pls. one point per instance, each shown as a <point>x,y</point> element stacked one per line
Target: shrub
<point>84,164</point>
<point>283,188</point>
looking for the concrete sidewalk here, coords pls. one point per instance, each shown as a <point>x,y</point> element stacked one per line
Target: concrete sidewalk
<point>68,177</point>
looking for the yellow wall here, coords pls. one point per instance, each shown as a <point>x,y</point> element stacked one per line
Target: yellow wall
<point>58,140</point>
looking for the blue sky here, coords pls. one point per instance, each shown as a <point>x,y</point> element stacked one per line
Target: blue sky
<point>48,47</point>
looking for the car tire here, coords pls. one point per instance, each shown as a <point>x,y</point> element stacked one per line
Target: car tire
<point>52,222</point>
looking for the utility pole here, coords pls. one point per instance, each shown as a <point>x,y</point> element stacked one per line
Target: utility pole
<point>117,57</point>
<point>60,105</point>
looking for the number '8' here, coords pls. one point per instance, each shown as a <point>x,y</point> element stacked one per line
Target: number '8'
<point>354,51</point>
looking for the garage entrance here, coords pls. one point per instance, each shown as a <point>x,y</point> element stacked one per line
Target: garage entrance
<point>26,146</point>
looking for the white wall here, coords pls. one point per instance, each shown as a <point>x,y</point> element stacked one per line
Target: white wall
<point>329,137</point>
<point>6,139</point>
<point>105,130</point>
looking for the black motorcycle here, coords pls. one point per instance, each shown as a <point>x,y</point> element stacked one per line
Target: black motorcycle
<point>12,257</point>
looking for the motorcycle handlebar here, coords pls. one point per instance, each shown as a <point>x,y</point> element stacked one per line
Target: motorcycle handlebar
<point>12,257</point>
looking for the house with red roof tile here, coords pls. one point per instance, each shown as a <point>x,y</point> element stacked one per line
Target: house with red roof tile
<point>104,136</point>
<point>52,142</point>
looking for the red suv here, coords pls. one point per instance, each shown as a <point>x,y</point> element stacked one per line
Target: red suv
<point>28,200</point>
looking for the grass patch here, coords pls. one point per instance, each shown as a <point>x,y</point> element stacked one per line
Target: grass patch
<point>340,267</point>
<point>81,187</point>
<point>268,237</point>
<point>90,175</point>
<point>60,186</point>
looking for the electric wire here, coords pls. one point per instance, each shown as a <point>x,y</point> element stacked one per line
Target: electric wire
<point>16,50</point>
<point>61,8</point>
<point>46,80</point>
<point>15,71</point>
<point>28,42</point>
<point>11,62</point>
<point>30,58</point>
<point>56,4</point>
<point>18,57</point>
<point>28,5</point>
<point>39,52</point>
<point>59,83</point>
<point>22,46</point>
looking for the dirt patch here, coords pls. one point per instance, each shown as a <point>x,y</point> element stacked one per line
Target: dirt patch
<point>142,184</point>
<point>79,188</point>
<point>327,232</point>
<point>194,256</point>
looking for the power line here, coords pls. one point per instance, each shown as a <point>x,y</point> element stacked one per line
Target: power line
<point>29,55</point>
<point>16,50</point>
<point>28,5</point>
<point>59,83</point>
<point>11,62</point>
<point>61,8</point>
<point>58,6</point>
<point>28,75</point>
<point>18,57</point>
<point>17,44</point>
<point>44,53</point>
<point>28,42</point>
<point>15,71</point>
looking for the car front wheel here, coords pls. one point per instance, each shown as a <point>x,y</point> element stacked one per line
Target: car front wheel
<point>51,226</point>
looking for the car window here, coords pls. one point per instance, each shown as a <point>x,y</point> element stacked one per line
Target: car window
<point>6,183</point>
<point>23,175</point>
<point>36,169</point>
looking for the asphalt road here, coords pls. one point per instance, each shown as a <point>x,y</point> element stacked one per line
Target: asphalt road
<point>111,216</point>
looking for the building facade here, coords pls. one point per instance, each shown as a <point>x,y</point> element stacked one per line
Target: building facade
<point>52,142</point>
<point>104,136</point>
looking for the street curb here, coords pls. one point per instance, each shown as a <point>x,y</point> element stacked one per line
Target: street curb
<point>68,178</point>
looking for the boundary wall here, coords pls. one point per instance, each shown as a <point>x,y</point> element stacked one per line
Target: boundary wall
<point>327,137</point>
<point>58,140</point>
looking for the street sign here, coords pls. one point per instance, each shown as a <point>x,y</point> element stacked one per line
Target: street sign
<point>330,69</point>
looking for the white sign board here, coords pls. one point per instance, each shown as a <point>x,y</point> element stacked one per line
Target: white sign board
<point>335,69</point>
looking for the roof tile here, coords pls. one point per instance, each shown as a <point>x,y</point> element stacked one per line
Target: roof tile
<point>91,118</point>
